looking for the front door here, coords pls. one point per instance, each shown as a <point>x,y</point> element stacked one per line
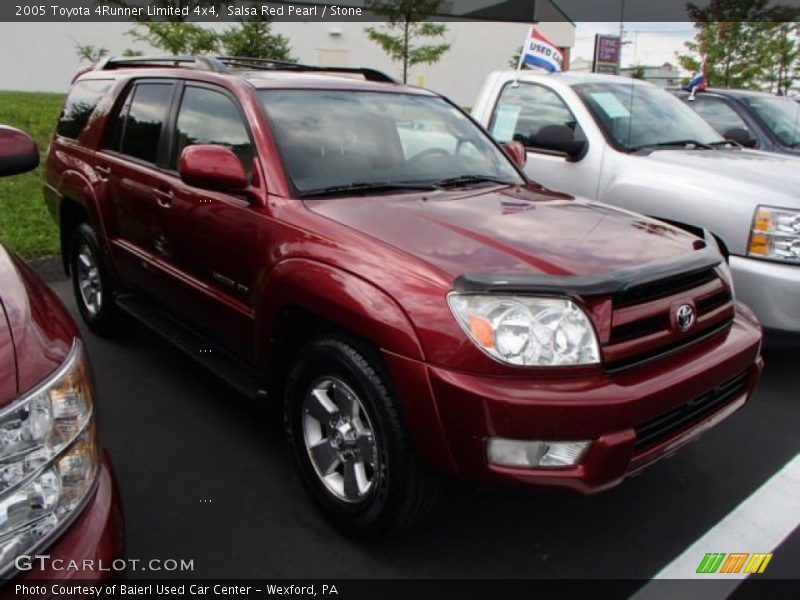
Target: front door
<point>215,240</point>
<point>522,113</point>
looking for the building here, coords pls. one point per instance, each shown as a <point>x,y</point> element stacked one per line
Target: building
<point>580,65</point>
<point>662,76</point>
<point>49,59</point>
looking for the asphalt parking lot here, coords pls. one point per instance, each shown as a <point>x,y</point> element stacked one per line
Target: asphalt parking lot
<point>205,475</point>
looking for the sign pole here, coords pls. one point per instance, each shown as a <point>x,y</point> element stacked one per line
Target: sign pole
<point>522,57</point>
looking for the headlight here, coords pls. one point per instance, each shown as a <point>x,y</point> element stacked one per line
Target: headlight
<point>775,234</point>
<point>48,457</point>
<point>526,330</point>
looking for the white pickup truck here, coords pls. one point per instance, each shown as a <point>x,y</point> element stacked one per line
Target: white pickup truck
<point>625,142</point>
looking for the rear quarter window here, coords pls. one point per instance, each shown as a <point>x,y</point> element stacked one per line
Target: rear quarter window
<point>80,104</point>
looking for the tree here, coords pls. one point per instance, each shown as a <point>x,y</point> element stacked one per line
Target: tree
<point>174,34</point>
<point>176,37</point>
<point>782,56</point>
<point>89,53</point>
<point>741,42</point>
<point>638,72</point>
<point>254,38</point>
<point>513,62</point>
<point>406,17</point>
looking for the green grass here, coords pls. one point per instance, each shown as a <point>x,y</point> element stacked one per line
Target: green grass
<point>25,224</point>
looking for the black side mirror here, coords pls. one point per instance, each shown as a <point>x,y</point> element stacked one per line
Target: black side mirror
<point>18,152</point>
<point>740,136</point>
<point>559,138</point>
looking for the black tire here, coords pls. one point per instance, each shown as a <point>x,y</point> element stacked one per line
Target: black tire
<point>101,315</point>
<point>402,492</point>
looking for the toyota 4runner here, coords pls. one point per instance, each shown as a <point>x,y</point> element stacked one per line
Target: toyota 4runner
<point>367,255</point>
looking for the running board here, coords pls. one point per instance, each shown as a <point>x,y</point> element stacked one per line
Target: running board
<point>196,346</point>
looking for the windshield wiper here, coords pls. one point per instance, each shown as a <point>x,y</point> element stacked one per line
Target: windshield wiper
<point>673,144</point>
<point>365,187</point>
<point>462,180</point>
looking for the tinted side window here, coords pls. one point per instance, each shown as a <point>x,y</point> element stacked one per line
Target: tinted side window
<point>145,120</point>
<point>80,104</point>
<point>209,117</point>
<point>114,136</point>
<point>718,114</point>
<point>523,111</point>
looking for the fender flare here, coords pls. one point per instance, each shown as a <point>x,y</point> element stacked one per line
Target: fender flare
<point>340,297</point>
<point>74,186</point>
<point>353,304</point>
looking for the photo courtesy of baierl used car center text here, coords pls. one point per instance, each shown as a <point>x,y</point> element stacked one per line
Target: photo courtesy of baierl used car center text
<point>400,298</point>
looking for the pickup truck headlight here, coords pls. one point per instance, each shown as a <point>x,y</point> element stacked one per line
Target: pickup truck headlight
<point>775,234</point>
<point>527,331</point>
<point>48,457</point>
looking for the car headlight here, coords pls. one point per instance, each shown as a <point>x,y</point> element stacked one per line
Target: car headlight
<point>527,331</point>
<point>775,234</point>
<point>48,457</point>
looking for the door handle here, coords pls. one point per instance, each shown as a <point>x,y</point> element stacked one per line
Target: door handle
<point>103,172</point>
<point>163,197</point>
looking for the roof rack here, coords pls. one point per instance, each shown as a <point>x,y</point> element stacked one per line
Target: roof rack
<point>266,64</point>
<point>201,63</point>
<point>227,64</point>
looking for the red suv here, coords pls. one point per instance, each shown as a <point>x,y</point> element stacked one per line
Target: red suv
<point>366,254</point>
<point>59,505</point>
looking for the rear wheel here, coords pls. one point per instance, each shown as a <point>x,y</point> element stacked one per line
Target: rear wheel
<point>91,283</point>
<point>353,452</point>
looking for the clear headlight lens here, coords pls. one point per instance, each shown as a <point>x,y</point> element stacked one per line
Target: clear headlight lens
<point>527,331</point>
<point>775,234</point>
<point>48,457</point>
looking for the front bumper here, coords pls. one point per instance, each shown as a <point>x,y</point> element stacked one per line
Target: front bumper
<point>96,536</point>
<point>771,289</point>
<point>605,408</point>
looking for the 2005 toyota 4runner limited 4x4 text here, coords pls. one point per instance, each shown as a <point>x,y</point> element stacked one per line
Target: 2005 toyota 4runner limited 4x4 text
<point>366,254</point>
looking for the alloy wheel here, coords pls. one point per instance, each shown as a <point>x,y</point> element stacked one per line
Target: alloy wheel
<point>340,441</point>
<point>89,282</point>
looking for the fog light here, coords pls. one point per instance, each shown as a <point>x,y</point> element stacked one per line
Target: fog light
<point>534,453</point>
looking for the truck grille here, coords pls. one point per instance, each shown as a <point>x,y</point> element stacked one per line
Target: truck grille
<point>643,320</point>
<point>664,287</point>
<point>667,425</point>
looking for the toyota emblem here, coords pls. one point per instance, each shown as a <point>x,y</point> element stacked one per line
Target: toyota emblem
<point>685,317</point>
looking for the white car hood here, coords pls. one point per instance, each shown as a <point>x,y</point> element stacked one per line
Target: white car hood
<point>745,170</point>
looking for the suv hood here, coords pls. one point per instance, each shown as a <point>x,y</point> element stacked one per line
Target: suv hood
<point>510,230</point>
<point>745,170</point>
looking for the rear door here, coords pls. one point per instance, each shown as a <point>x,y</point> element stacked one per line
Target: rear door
<point>131,164</point>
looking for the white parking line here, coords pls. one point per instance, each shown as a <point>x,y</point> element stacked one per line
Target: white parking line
<point>759,524</point>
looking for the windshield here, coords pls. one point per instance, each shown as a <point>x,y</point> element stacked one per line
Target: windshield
<point>781,115</point>
<point>641,116</point>
<point>330,138</point>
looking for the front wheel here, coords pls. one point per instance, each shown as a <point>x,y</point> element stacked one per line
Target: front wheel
<point>353,452</point>
<point>91,282</point>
